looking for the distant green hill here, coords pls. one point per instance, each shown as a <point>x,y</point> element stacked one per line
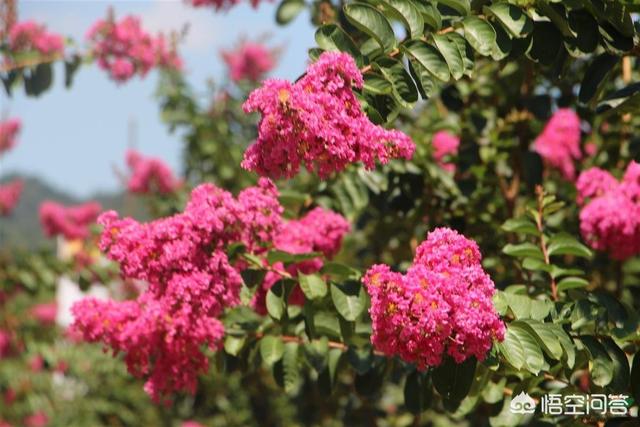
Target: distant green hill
<point>22,229</point>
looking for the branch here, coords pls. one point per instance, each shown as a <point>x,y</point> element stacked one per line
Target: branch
<point>543,245</point>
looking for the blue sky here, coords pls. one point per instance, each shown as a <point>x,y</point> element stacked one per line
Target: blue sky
<point>74,138</point>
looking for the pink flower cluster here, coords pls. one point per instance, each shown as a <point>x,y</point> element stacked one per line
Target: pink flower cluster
<point>124,48</point>
<point>72,222</point>
<point>320,230</point>
<point>9,130</point>
<point>249,61</point>
<point>444,144</point>
<point>9,196</point>
<point>149,174</point>
<point>318,122</point>
<point>191,282</point>
<point>610,216</point>
<point>559,142</point>
<point>45,313</point>
<point>441,305</point>
<point>30,36</point>
<point>220,4</point>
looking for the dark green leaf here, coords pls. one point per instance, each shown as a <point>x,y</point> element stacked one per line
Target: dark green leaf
<point>601,365</point>
<point>408,13</point>
<point>451,54</point>
<point>520,225</point>
<point>403,88</point>
<point>271,349</point>
<point>620,364</point>
<point>572,283</point>
<point>331,37</point>
<point>596,76</point>
<point>513,18</point>
<point>523,250</point>
<point>453,380</point>
<point>565,244</point>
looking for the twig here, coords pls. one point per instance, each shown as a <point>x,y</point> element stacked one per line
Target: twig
<point>543,245</point>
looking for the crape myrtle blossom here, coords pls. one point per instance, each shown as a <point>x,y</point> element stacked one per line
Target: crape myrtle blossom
<point>559,142</point>
<point>318,122</point>
<point>220,4</point>
<point>72,222</point>
<point>9,196</point>
<point>149,174</point>
<point>249,61</point>
<point>9,130</point>
<point>30,36</point>
<point>124,48</point>
<point>442,305</point>
<point>191,282</point>
<point>444,144</point>
<point>320,230</point>
<point>610,215</point>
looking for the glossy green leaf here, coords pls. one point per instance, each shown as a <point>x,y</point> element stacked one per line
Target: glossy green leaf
<point>451,54</point>
<point>480,35</point>
<point>333,38</point>
<point>372,22</point>
<point>545,336</point>
<point>271,349</point>
<point>461,6</point>
<point>565,244</point>
<point>403,88</point>
<point>233,345</point>
<point>276,300</point>
<point>349,299</point>
<point>513,18</point>
<point>312,285</point>
<point>523,250</point>
<point>620,365</point>
<point>572,283</point>
<point>409,14</point>
<point>427,56</point>
<point>520,225</point>
<point>601,365</point>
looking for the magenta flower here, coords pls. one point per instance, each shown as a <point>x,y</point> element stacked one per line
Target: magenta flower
<point>318,122</point>
<point>9,130</point>
<point>445,144</point>
<point>45,313</point>
<point>191,282</point>
<point>123,48</point>
<point>610,216</point>
<point>249,61</point>
<point>559,142</point>
<point>442,305</point>
<point>220,4</point>
<point>30,36</point>
<point>72,222</point>
<point>9,196</point>
<point>149,174</point>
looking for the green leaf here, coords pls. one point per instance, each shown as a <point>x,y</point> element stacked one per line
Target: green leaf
<point>271,349</point>
<point>461,6</point>
<point>252,277</point>
<point>596,76</point>
<point>620,364</point>
<point>39,80</point>
<point>403,88</point>
<point>286,371</point>
<point>349,299</point>
<point>567,344</point>
<point>453,380</point>
<point>312,286</point>
<point>423,78</point>
<point>71,66</point>
<point>408,13</point>
<point>621,101</point>
<point>233,345</point>
<point>451,54</point>
<point>333,38</point>
<point>503,43</point>
<point>523,250</point>
<point>376,84</point>
<point>635,377</point>
<point>585,27</point>
<point>288,10</point>
<point>417,392</point>
<point>520,225</point>
<point>533,358</point>
<point>339,270</point>
<point>480,35</point>
<point>545,336</point>
<point>276,300</point>
<point>565,244</point>
<point>430,15</point>
<point>601,365</point>
<point>429,57</point>
<point>546,42</point>
<point>512,350</point>
<point>514,19</point>
<point>372,22</point>
<point>572,283</point>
